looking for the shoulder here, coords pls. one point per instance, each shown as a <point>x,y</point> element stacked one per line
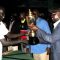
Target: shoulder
<point>58,26</point>
<point>43,20</point>
<point>2,23</point>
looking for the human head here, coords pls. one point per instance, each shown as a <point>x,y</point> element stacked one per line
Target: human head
<point>22,15</point>
<point>2,13</point>
<point>35,13</point>
<point>55,14</point>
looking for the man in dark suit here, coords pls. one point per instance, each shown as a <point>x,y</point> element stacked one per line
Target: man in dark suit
<point>53,38</point>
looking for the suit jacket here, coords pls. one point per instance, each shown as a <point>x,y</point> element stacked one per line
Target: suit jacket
<point>53,38</point>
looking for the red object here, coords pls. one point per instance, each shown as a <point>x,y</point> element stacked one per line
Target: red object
<point>23,37</point>
<point>23,31</point>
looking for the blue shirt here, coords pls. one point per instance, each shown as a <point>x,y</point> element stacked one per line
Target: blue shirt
<point>41,48</point>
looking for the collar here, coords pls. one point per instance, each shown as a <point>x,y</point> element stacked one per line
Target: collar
<point>56,23</point>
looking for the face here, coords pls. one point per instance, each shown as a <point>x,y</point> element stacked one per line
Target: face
<point>22,16</point>
<point>2,15</point>
<point>35,14</point>
<point>55,16</point>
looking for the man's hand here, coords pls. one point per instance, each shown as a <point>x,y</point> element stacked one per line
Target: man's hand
<point>33,27</point>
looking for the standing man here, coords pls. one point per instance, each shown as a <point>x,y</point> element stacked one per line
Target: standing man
<point>40,50</point>
<point>53,38</point>
<point>3,30</point>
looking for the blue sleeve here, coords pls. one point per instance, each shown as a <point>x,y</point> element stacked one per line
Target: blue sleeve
<point>44,26</point>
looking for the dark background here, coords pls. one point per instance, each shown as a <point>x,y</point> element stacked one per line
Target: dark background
<point>12,6</point>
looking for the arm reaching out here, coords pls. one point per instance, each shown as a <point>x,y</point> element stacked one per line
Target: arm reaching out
<point>55,36</point>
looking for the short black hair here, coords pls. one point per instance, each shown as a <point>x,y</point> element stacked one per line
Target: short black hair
<point>35,11</point>
<point>54,10</point>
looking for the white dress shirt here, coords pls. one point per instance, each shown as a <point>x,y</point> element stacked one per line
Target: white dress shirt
<point>56,23</point>
<point>3,31</point>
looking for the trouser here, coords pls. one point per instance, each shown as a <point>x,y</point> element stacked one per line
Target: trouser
<point>42,56</point>
<point>0,51</point>
<point>51,54</point>
<point>56,56</point>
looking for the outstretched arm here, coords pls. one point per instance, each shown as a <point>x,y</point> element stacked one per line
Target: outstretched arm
<point>10,35</point>
<point>45,36</point>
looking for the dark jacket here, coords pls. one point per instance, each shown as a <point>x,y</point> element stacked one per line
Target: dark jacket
<point>53,38</point>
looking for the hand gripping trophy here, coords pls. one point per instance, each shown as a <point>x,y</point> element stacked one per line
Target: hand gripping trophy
<point>31,32</point>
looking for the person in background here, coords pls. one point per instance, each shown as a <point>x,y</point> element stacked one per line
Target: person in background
<point>53,38</point>
<point>14,29</point>
<point>23,29</point>
<point>40,50</point>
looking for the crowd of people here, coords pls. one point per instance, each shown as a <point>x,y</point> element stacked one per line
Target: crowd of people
<point>34,31</point>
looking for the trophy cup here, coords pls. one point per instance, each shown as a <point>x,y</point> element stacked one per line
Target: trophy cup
<point>31,20</point>
<point>30,17</point>
<point>32,33</point>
